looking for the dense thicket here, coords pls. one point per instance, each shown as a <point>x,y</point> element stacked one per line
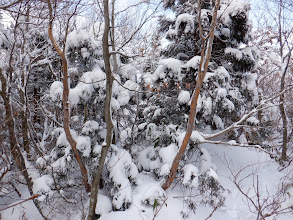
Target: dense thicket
<point>150,101</point>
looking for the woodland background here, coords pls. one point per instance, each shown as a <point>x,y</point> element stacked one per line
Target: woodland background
<point>146,109</point>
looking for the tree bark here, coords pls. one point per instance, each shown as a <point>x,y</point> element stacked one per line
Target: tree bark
<point>66,106</point>
<point>205,58</point>
<point>23,100</point>
<point>282,86</point>
<point>284,119</point>
<point>115,64</point>
<point>108,117</point>
<point>15,149</point>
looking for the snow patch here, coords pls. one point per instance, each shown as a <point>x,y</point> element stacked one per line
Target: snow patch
<point>184,97</point>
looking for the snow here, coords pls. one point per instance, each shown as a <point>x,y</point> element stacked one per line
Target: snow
<point>148,190</point>
<point>26,210</point>
<point>190,175</point>
<point>186,18</point>
<point>121,171</point>
<point>218,122</point>
<point>165,170</point>
<point>84,52</point>
<point>222,92</point>
<point>193,62</point>
<point>227,104</point>
<point>42,184</point>
<point>104,205</point>
<point>42,161</point>
<point>152,132</point>
<point>142,126</point>
<point>89,127</point>
<point>168,64</point>
<point>251,52</point>
<point>148,159</point>
<point>208,105</point>
<point>157,112</point>
<point>213,174</point>
<point>129,72</point>
<point>225,32</point>
<point>221,70</point>
<point>84,145</point>
<point>97,149</point>
<point>252,120</point>
<point>124,134</point>
<point>85,87</point>
<point>235,94</point>
<point>78,38</point>
<point>232,7</point>
<point>196,137</point>
<point>151,193</point>
<point>59,165</point>
<point>184,97</point>
<point>235,52</point>
<point>56,91</point>
<point>95,78</point>
<point>206,160</point>
<point>123,98</point>
<point>115,104</point>
<point>131,87</point>
<point>207,76</point>
<point>168,153</point>
<point>115,86</point>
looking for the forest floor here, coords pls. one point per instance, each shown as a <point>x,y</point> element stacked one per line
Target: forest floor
<point>255,170</point>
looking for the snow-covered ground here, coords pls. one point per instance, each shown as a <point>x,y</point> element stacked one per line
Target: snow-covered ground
<point>235,204</point>
<point>228,159</point>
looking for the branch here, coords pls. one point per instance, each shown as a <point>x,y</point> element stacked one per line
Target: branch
<point>246,116</point>
<point>125,55</point>
<point>139,27</point>
<point>4,7</point>
<point>30,198</point>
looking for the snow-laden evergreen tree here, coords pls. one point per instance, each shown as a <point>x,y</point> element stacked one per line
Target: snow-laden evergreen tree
<point>229,88</point>
<point>88,127</point>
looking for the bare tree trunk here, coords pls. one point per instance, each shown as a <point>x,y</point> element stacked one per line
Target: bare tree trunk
<point>284,120</point>
<point>205,58</point>
<point>15,149</point>
<point>24,123</point>
<point>108,117</point>
<point>282,87</point>
<point>23,100</point>
<point>66,107</point>
<point>115,64</point>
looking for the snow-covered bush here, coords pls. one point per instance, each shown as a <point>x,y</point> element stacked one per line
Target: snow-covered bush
<point>122,174</point>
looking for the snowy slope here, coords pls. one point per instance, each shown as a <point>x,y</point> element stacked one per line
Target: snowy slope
<point>235,207</point>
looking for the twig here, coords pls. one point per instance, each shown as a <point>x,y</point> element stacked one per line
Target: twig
<point>30,198</point>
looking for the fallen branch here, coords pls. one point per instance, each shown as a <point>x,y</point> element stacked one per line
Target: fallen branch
<point>30,198</point>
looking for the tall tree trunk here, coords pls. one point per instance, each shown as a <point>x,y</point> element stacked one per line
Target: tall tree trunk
<point>205,58</point>
<point>24,123</point>
<point>14,147</point>
<point>65,102</point>
<point>22,91</point>
<point>282,86</point>
<point>284,119</point>
<point>108,117</point>
<point>115,64</point>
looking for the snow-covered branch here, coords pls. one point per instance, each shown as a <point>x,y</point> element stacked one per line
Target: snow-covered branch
<point>246,116</point>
